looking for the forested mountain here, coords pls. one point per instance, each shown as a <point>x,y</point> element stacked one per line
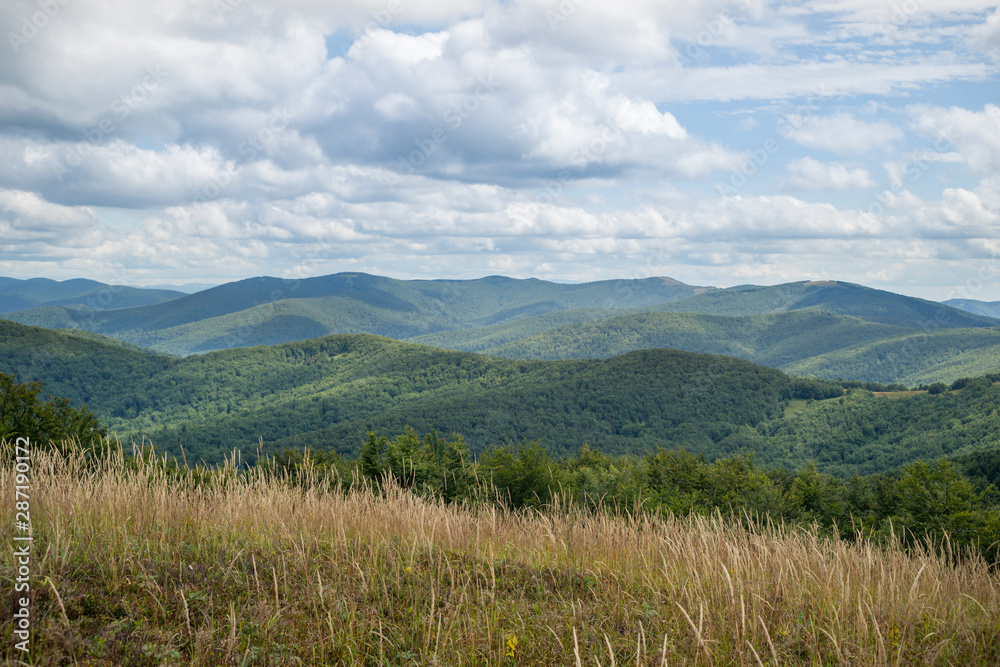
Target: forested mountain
<point>835,297</point>
<point>826,329</point>
<point>272,310</point>
<point>77,295</point>
<point>985,308</point>
<point>328,393</point>
<point>804,342</point>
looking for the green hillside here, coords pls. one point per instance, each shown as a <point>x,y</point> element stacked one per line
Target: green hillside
<point>78,294</point>
<point>824,329</point>
<point>804,342</point>
<point>328,393</point>
<point>272,310</point>
<point>867,433</point>
<point>985,308</point>
<point>836,297</point>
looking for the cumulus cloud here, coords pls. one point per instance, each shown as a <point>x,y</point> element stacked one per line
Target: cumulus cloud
<point>973,135</point>
<point>808,174</point>
<point>225,139</point>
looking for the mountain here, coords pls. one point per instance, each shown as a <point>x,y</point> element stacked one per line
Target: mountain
<point>985,308</point>
<point>804,342</point>
<point>328,393</point>
<point>273,310</point>
<point>827,329</point>
<point>79,295</point>
<point>836,297</point>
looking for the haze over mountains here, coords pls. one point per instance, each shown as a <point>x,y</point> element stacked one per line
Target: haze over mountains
<point>79,294</point>
<point>819,328</point>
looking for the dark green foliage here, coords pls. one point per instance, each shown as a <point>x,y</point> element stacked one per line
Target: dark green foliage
<point>524,476</point>
<point>811,388</point>
<point>432,466</point>
<point>24,415</point>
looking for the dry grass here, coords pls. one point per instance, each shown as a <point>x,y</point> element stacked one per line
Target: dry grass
<point>240,570</point>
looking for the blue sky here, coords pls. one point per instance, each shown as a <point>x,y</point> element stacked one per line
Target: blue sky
<point>715,142</point>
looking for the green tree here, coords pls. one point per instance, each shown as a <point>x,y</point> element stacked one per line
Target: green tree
<point>53,420</point>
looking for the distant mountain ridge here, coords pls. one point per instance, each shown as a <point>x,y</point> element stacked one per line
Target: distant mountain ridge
<point>77,294</point>
<point>822,328</point>
<point>985,308</point>
<point>274,310</point>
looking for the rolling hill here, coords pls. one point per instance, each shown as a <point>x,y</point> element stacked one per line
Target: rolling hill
<point>985,308</point>
<point>807,342</point>
<point>825,329</point>
<point>82,296</point>
<point>328,393</point>
<point>272,310</point>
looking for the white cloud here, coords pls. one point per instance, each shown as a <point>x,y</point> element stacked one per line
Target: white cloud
<point>974,136</point>
<point>840,133</point>
<point>987,35</point>
<point>570,138</point>
<point>808,174</point>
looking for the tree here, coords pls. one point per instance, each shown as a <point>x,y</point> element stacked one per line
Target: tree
<point>24,415</point>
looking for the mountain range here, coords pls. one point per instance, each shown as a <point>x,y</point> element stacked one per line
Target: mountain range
<point>79,295</point>
<point>821,328</point>
<point>328,393</point>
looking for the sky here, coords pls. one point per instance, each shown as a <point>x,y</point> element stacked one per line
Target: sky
<point>717,142</point>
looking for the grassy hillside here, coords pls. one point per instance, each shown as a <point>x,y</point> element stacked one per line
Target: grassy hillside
<point>145,566</point>
<point>273,310</point>
<point>76,294</point>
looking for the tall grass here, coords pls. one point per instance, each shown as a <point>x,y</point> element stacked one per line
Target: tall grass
<point>135,564</point>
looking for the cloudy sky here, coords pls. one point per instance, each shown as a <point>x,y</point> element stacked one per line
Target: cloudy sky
<point>716,142</point>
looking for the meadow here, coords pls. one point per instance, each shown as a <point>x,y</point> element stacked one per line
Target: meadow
<point>138,561</point>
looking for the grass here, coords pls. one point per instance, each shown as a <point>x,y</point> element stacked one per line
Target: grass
<point>134,564</point>
<point>795,406</point>
<point>900,394</point>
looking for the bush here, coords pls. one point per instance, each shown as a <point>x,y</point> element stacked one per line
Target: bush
<point>24,415</point>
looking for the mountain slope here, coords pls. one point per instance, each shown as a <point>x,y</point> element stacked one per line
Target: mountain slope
<point>79,294</point>
<point>804,342</point>
<point>328,393</point>
<point>273,310</point>
<point>836,297</point>
<point>985,308</point>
